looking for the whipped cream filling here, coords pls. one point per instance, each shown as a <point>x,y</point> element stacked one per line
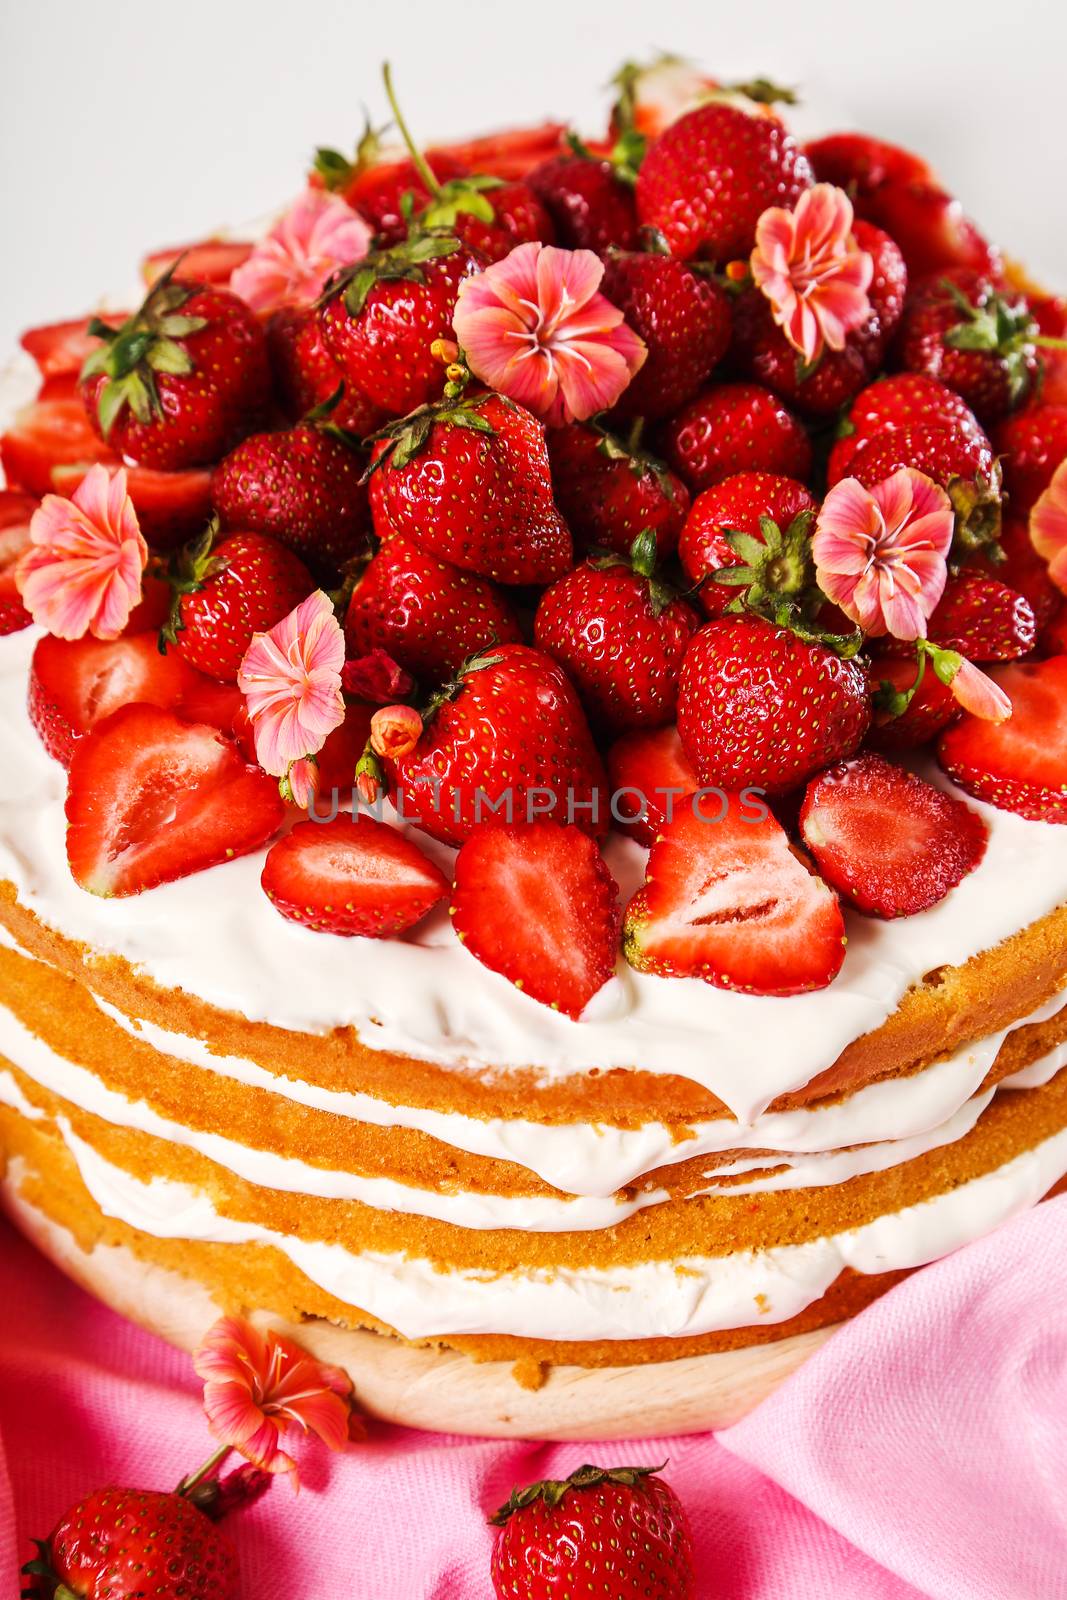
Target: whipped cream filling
<point>691,1296</point>
<point>463,1208</point>
<point>596,1159</point>
<point>216,935</point>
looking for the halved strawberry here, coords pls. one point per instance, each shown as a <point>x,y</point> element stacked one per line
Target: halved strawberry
<point>76,683</point>
<point>49,434</point>
<point>60,348</point>
<point>152,798</point>
<point>352,876</point>
<point>204,261</point>
<point>15,512</point>
<point>1019,765</point>
<point>537,904</point>
<point>886,839</point>
<point>730,901</point>
<point>649,773</point>
<point>171,506</point>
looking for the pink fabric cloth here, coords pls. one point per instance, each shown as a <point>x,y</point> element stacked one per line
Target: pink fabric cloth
<point>923,1451</point>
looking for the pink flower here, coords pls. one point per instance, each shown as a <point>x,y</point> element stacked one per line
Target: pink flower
<point>1048,527</point>
<point>83,568</point>
<point>880,553</point>
<point>258,1388</point>
<point>319,233</point>
<point>812,271</point>
<point>536,327</point>
<point>291,681</point>
<point>978,694</point>
<point>395,731</point>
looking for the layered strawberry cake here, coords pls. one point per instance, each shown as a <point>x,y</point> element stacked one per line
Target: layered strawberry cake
<point>535,742</point>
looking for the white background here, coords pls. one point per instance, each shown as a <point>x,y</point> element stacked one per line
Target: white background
<point>125,126</point>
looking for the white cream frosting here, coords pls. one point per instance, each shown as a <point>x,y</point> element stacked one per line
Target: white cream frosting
<point>655,1299</point>
<point>596,1159</point>
<point>467,1208</point>
<point>217,936</point>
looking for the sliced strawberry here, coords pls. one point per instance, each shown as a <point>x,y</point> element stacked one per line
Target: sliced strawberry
<point>76,683</point>
<point>15,513</point>
<point>650,773</point>
<point>60,348</point>
<point>206,261</point>
<point>886,839</point>
<point>352,876</point>
<point>171,506</point>
<point>152,798</point>
<point>931,708</point>
<point>49,434</point>
<point>537,904</point>
<point>730,902</point>
<point>1019,765</point>
<point>983,619</point>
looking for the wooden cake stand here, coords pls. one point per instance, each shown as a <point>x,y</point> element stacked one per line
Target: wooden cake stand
<point>444,1391</point>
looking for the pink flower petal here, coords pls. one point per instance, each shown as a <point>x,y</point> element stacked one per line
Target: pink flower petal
<point>979,695</point>
<point>880,554</point>
<point>1048,526</point>
<point>83,570</point>
<point>536,328</point>
<point>318,234</point>
<point>291,681</point>
<point>810,269</point>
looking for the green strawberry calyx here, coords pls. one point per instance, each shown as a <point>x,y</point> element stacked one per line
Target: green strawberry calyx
<point>630,449</point>
<point>1000,327</point>
<point>400,261</point>
<point>977,504</point>
<point>642,562</point>
<point>337,171</point>
<point>407,436</point>
<point>552,1490</point>
<point>776,581</point>
<point>187,571</point>
<point>464,196</point>
<point>147,343</point>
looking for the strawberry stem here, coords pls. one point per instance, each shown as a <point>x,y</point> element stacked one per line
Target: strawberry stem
<point>422,166</point>
<point>203,1471</point>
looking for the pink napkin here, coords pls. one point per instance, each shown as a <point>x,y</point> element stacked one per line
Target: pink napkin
<point>923,1451</point>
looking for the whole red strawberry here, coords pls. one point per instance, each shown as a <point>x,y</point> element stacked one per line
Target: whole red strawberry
<point>306,375</point>
<point>618,1531</point>
<point>302,486</point>
<point>384,314</point>
<point>897,191</point>
<point>735,427</point>
<point>684,319</point>
<point>483,756</point>
<point>736,505</point>
<point>965,467</point>
<point>427,615</point>
<point>764,352</point>
<point>225,591</point>
<point>135,1544</point>
<point>961,328</point>
<point>181,380</point>
<point>899,401</point>
<point>621,634</point>
<point>908,707</point>
<point>708,178</point>
<point>1031,446</point>
<point>758,705</point>
<point>591,206</point>
<point>610,490</point>
<point>469,481</point>
<point>982,618</point>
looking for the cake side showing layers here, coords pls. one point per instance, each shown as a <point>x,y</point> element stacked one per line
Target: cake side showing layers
<point>423,999</point>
